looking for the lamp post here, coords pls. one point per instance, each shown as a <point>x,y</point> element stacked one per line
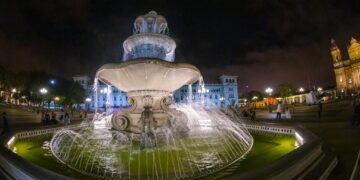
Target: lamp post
<point>269,91</point>
<point>43,91</point>
<point>88,100</point>
<point>301,90</point>
<point>222,101</point>
<point>56,99</point>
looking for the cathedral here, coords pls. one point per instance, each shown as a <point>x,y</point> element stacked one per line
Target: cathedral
<point>347,71</point>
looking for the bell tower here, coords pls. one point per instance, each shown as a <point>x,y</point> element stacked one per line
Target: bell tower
<point>339,68</point>
<point>354,49</point>
<point>335,52</point>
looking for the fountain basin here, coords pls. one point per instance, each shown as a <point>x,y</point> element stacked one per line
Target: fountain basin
<point>148,74</point>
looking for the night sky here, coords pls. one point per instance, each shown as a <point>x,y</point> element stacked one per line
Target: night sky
<point>264,42</point>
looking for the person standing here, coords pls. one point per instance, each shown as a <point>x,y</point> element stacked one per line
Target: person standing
<point>356,115</point>
<point>253,114</point>
<point>319,109</point>
<point>6,127</point>
<point>287,113</point>
<point>278,111</point>
<point>66,119</point>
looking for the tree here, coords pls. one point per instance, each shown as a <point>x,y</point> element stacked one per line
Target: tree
<point>286,90</point>
<point>250,95</point>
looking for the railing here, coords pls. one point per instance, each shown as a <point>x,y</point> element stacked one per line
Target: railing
<point>15,167</point>
<point>356,171</point>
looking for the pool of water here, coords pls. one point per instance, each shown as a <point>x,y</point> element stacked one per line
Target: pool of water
<point>266,149</point>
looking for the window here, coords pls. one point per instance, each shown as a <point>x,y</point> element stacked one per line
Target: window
<point>215,96</point>
<point>210,96</point>
<point>231,96</point>
<point>114,98</point>
<point>231,89</point>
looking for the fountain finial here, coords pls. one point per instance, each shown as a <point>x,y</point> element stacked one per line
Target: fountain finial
<point>151,23</point>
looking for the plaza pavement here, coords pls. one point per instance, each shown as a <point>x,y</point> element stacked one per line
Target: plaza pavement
<point>22,117</point>
<point>333,127</point>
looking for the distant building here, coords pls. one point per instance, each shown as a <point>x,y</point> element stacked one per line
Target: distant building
<point>221,94</point>
<point>83,80</point>
<point>347,71</point>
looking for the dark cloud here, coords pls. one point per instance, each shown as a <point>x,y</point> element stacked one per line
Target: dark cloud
<point>263,42</point>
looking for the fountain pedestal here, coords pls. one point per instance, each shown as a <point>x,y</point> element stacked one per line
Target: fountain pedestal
<point>149,111</point>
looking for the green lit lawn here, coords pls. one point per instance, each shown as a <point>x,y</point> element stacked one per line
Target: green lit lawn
<point>266,149</point>
<point>32,151</point>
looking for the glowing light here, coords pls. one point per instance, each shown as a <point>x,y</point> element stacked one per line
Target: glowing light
<point>43,90</point>
<point>269,90</point>
<point>9,143</point>
<point>299,139</point>
<point>52,81</point>
<point>56,98</point>
<point>255,98</point>
<point>88,99</point>
<point>13,90</point>
<point>301,89</point>
<point>319,89</point>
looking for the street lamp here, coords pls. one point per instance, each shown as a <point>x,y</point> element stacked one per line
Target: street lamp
<point>13,90</point>
<point>88,100</point>
<point>269,91</point>
<point>52,81</point>
<point>222,101</point>
<point>319,89</point>
<point>56,100</point>
<point>301,90</point>
<point>255,98</point>
<point>43,90</point>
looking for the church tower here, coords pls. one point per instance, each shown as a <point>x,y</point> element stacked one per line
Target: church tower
<point>339,68</point>
<point>335,51</point>
<point>354,49</point>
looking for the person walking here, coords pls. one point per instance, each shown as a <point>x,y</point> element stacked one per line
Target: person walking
<point>253,114</point>
<point>287,113</point>
<point>6,127</point>
<point>66,119</point>
<point>319,109</point>
<point>278,111</point>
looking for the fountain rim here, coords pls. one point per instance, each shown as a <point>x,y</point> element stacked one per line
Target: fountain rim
<point>130,41</point>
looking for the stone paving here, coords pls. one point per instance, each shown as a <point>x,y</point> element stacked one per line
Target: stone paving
<point>21,117</point>
<point>333,127</point>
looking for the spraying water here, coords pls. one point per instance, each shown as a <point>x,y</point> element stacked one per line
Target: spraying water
<point>95,90</point>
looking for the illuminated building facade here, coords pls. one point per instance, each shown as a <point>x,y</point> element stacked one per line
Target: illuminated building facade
<point>347,71</point>
<point>217,95</point>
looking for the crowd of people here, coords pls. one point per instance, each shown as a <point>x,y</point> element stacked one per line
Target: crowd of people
<point>49,117</point>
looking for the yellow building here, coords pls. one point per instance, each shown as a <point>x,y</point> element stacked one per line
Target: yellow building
<point>347,71</point>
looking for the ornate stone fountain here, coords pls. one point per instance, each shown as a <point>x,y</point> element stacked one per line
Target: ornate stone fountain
<point>149,76</point>
<point>153,139</point>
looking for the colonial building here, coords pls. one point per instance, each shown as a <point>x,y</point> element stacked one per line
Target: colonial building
<point>220,94</point>
<point>347,71</point>
<point>217,95</point>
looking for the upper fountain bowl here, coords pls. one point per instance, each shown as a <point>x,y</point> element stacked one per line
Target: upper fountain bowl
<point>148,75</point>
